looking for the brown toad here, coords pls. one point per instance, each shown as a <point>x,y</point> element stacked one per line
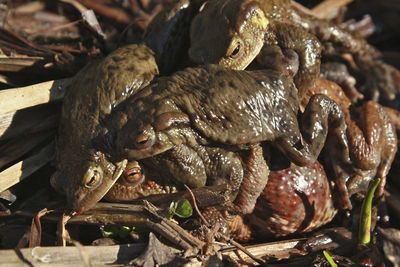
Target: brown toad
<point>233,32</point>
<point>212,108</point>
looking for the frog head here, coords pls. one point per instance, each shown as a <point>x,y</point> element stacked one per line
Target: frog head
<point>228,32</point>
<point>85,180</point>
<point>147,136</point>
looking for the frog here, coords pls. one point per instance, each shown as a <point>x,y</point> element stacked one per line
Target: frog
<point>235,32</point>
<point>372,142</point>
<point>215,107</point>
<point>84,172</point>
<point>135,183</point>
<point>84,133</point>
<point>339,73</point>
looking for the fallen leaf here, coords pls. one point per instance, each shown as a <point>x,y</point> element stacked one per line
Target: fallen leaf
<point>156,253</point>
<point>35,237</point>
<point>391,244</point>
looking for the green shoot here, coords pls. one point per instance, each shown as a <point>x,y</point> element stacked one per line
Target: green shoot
<point>364,233</point>
<point>328,257</point>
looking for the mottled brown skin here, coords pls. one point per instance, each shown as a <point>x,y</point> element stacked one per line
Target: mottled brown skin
<point>372,142</point>
<point>84,174</point>
<point>215,107</point>
<point>233,32</point>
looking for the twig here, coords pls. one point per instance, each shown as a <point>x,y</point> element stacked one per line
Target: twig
<point>196,207</point>
<point>112,13</point>
<point>62,234</point>
<point>168,233</point>
<point>242,248</point>
<point>329,8</point>
<point>82,252</point>
<point>25,168</point>
<point>179,230</point>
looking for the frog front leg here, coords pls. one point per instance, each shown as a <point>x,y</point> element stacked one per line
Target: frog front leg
<point>306,46</point>
<point>181,163</point>
<point>322,115</point>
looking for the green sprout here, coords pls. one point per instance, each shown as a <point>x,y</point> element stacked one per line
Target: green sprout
<point>364,233</point>
<point>328,257</point>
<point>181,208</point>
<point>116,231</point>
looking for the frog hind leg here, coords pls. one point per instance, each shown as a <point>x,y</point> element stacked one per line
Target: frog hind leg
<point>321,116</point>
<point>338,73</point>
<point>254,180</point>
<point>223,167</point>
<point>182,164</point>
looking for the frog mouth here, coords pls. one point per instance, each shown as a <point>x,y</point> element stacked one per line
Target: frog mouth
<point>88,200</point>
<point>120,167</point>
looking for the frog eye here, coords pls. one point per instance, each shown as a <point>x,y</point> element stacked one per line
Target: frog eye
<point>144,139</point>
<point>93,177</point>
<point>234,50</point>
<point>133,173</point>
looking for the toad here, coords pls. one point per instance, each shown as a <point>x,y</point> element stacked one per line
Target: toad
<point>372,142</point>
<point>233,32</point>
<point>213,107</point>
<point>134,184</point>
<point>84,174</point>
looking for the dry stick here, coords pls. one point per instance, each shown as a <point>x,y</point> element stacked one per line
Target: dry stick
<point>24,122</point>
<point>168,233</point>
<point>17,147</point>
<point>195,206</point>
<point>112,13</point>
<point>15,64</point>
<point>32,95</point>
<point>56,28</point>
<point>242,248</point>
<point>62,234</point>
<point>328,7</point>
<point>258,260</point>
<point>182,232</point>
<point>25,168</point>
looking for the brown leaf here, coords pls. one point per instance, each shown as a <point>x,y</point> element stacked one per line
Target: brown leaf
<point>391,244</point>
<point>35,236</point>
<point>156,253</point>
